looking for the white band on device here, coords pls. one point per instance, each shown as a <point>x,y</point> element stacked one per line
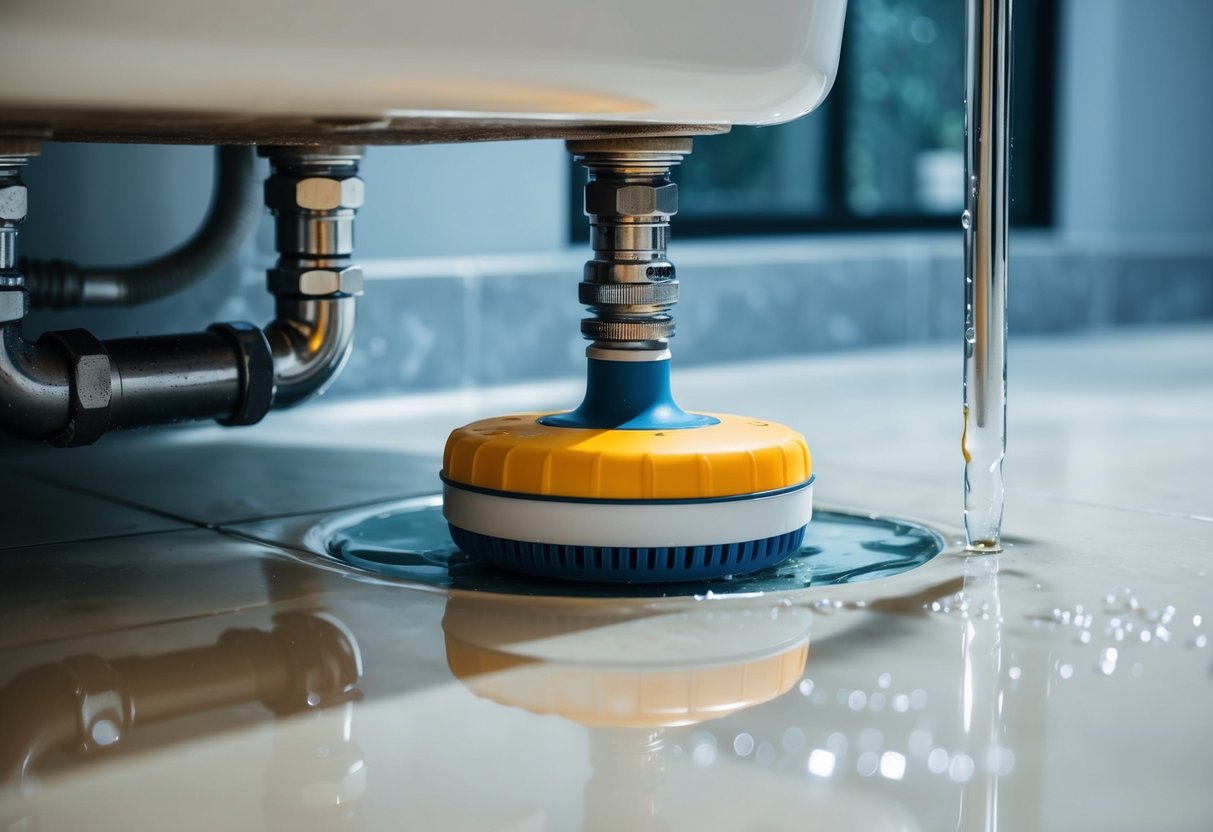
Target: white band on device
<point>627,524</point>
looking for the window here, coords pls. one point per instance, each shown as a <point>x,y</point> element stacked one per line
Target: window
<point>886,150</point>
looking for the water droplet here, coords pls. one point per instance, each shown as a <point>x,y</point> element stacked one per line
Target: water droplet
<point>966,220</point>
<point>743,744</point>
<point>105,732</point>
<point>937,761</point>
<point>884,680</point>
<point>1066,671</point>
<point>1000,760</point>
<point>970,335</point>
<point>867,764</point>
<point>960,769</point>
<point>703,750</point>
<point>806,687</point>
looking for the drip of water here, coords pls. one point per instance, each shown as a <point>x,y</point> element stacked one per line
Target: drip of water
<point>987,152</point>
<point>411,543</point>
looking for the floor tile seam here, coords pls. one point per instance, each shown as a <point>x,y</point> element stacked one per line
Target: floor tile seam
<point>101,538</point>
<point>118,501</point>
<point>221,523</point>
<point>143,625</point>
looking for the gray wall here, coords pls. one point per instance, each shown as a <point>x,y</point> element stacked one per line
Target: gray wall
<point>1136,116</point>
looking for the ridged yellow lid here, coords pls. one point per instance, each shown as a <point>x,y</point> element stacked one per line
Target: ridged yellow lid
<point>517,454</point>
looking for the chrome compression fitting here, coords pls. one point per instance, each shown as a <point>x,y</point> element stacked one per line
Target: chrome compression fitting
<point>69,388</point>
<point>313,193</point>
<point>630,285</point>
<point>14,203</point>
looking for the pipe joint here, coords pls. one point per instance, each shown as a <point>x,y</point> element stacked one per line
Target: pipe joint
<point>630,285</point>
<point>70,388</point>
<point>90,385</point>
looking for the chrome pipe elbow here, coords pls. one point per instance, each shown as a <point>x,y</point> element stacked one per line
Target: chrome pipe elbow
<point>69,388</point>
<point>311,340</point>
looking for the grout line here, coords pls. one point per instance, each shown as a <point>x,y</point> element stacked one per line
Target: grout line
<point>143,625</point>
<point>121,501</point>
<point>99,538</point>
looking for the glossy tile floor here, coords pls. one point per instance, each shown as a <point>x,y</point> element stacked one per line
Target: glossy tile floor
<point>172,656</point>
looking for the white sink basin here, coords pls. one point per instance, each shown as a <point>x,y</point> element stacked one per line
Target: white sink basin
<point>686,62</point>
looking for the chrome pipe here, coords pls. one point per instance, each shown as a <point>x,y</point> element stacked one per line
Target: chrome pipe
<point>630,286</point>
<point>310,341</point>
<point>69,388</point>
<point>987,154</point>
<point>173,378</point>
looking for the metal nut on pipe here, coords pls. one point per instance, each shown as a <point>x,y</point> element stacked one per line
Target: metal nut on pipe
<point>13,303</point>
<point>319,282</point>
<point>629,286</point>
<point>626,199</point>
<point>314,193</point>
<point>14,202</point>
<point>90,376</point>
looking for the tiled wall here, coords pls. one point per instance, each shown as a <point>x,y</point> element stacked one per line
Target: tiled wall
<point>442,323</point>
<point>446,323</point>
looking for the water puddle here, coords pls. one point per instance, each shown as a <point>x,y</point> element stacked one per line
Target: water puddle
<point>410,542</point>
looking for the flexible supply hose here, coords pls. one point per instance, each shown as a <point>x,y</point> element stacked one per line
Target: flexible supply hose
<point>236,207</point>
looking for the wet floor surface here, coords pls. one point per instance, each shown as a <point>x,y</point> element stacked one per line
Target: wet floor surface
<point>188,659</point>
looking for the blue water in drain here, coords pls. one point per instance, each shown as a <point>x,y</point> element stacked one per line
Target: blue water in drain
<point>413,544</point>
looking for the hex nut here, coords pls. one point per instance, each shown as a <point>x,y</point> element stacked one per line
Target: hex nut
<point>316,193</point>
<point>91,375</point>
<point>102,711</point>
<point>316,283</point>
<point>603,198</point>
<point>14,202</point>
<point>12,305</point>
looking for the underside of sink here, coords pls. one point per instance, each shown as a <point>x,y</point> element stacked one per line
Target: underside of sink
<point>401,72</point>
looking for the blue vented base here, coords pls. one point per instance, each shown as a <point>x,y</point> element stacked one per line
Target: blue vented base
<point>656,564</point>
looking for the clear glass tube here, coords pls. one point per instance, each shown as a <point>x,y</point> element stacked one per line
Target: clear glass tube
<point>987,151</point>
